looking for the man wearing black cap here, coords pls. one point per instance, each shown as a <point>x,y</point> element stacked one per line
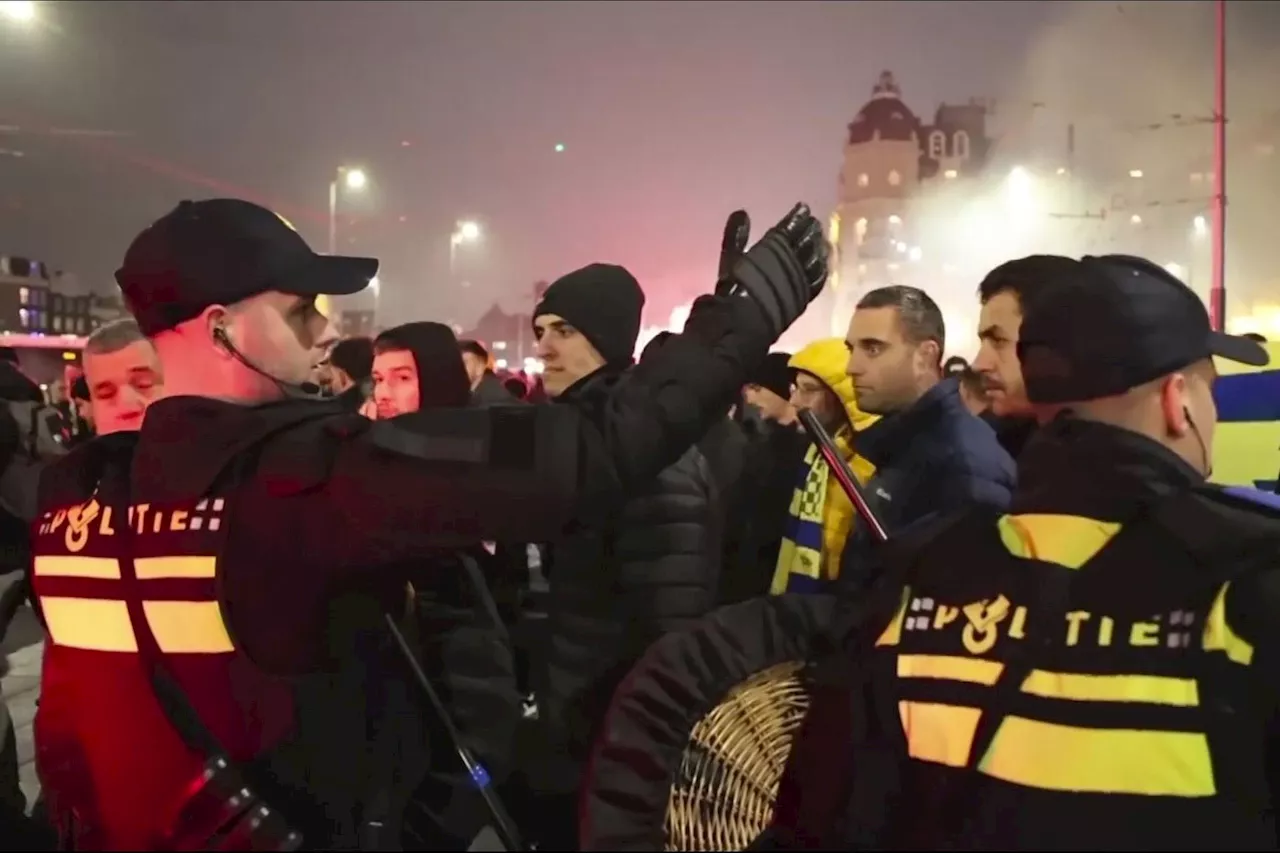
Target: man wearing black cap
<point>1095,668</point>
<point>186,574</point>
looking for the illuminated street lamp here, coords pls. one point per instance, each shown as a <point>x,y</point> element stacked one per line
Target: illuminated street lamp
<point>1200,226</point>
<point>354,180</point>
<point>19,11</point>
<point>466,231</point>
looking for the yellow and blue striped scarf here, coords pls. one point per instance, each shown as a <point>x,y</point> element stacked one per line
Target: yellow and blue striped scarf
<point>809,556</point>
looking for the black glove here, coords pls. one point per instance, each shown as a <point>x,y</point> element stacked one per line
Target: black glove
<point>737,231</point>
<point>784,271</point>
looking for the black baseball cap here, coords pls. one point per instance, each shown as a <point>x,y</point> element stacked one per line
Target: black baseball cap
<point>222,251</point>
<point>1111,323</point>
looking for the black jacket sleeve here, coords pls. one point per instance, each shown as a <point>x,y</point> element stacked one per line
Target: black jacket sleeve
<point>678,392</point>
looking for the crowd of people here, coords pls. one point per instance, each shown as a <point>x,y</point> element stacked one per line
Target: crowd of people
<point>350,593</point>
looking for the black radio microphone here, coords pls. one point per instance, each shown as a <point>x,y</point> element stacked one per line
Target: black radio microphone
<point>292,389</point>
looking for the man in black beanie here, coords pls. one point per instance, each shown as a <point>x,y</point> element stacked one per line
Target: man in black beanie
<point>587,320</point>
<point>651,567</point>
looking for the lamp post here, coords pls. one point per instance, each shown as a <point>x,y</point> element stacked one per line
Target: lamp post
<point>351,179</point>
<point>466,231</point>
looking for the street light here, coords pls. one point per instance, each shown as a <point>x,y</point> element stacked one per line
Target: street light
<point>354,180</point>
<point>466,231</point>
<point>20,11</point>
<point>1200,226</point>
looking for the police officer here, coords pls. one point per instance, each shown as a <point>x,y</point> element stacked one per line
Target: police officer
<point>1095,667</point>
<point>212,585</point>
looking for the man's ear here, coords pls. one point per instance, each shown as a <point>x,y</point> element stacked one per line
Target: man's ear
<point>930,355</point>
<point>1173,404</point>
<point>215,323</point>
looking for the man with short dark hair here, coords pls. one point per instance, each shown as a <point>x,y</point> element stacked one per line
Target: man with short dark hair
<point>486,388</point>
<point>1007,293</point>
<point>931,455</point>
<point>122,375</point>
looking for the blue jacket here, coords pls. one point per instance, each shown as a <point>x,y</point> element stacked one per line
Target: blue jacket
<point>931,459</point>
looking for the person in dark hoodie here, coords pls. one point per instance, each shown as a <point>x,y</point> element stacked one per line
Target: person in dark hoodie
<point>466,650</point>
<point>486,388</point>
<point>615,587</point>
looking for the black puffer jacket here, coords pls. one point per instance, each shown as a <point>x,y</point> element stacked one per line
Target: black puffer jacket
<point>652,566</point>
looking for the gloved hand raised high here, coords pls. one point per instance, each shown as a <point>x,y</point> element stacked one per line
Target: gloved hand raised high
<point>737,231</point>
<point>784,271</point>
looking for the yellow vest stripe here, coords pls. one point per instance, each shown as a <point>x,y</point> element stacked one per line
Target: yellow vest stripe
<point>1218,636</point>
<point>188,627</point>
<point>1104,761</point>
<point>1069,686</point>
<point>154,568</point>
<point>99,568</point>
<point>1054,757</point>
<point>94,624</point>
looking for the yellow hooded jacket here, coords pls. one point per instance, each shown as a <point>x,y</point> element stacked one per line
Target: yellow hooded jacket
<point>822,516</point>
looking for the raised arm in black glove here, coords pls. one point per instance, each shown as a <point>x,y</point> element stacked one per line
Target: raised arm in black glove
<point>737,231</point>
<point>784,271</point>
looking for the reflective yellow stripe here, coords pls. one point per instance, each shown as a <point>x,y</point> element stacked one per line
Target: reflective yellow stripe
<point>1068,540</point>
<point>103,568</point>
<point>972,670</point>
<point>88,623</point>
<point>1151,689</point>
<point>1104,761</point>
<point>188,627</point>
<point>937,733</point>
<point>152,568</point>
<point>1218,636</point>
<point>892,634</point>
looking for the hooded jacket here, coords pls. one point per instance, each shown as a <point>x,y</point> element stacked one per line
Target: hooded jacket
<point>464,646</point>
<point>821,514</point>
<point>651,567</point>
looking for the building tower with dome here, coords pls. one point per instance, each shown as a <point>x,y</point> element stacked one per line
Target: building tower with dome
<point>889,155</point>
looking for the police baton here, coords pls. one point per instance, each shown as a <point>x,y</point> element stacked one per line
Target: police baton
<point>504,826</point>
<point>843,473</point>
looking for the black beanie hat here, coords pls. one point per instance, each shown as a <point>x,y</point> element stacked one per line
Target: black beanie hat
<point>774,374</point>
<point>604,302</point>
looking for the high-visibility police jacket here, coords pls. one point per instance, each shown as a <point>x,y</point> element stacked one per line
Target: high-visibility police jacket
<point>112,578</point>
<point>1062,681</point>
<point>120,581</point>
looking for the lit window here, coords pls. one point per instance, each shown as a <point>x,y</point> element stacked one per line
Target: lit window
<point>499,345</point>
<point>937,145</point>
<point>949,174</point>
<point>24,317</point>
<point>860,229</point>
<point>894,178</point>
<point>24,295</point>
<point>961,145</point>
<point>57,322</point>
<point>895,219</point>
<point>1135,173</point>
<point>863,179</point>
<point>1136,219</point>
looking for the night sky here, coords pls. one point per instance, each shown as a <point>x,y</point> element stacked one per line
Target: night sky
<point>671,114</point>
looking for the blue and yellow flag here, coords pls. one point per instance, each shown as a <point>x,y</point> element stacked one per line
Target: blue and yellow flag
<point>1246,445</point>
